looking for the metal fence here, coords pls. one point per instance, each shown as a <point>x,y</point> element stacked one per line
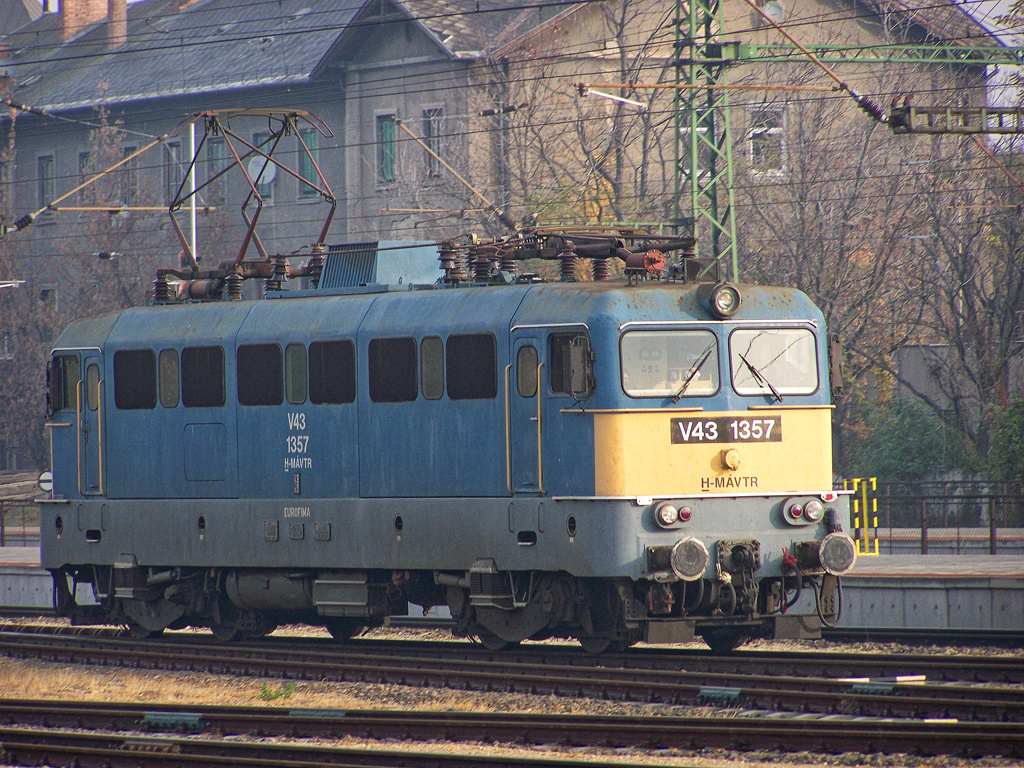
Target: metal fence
<point>19,524</point>
<point>961,517</point>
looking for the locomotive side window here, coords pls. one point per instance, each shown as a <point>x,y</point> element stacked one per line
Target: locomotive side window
<point>526,371</point>
<point>92,386</point>
<point>669,363</point>
<point>295,386</point>
<point>202,377</point>
<point>134,379</point>
<point>472,367</point>
<point>571,371</point>
<point>773,361</point>
<point>65,374</point>
<point>170,383</point>
<point>432,367</point>
<point>332,372</point>
<point>260,374</point>
<point>393,370</point>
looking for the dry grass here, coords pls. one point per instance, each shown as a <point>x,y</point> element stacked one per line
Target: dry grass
<point>43,680</point>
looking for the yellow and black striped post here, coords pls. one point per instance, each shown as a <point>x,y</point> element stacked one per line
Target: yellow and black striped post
<point>867,542</point>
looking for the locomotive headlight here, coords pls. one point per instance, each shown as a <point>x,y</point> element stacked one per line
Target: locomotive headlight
<point>814,511</point>
<point>795,511</point>
<point>725,300</point>
<point>837,553</point>
<point>666,515</point>
<point>689,559</point>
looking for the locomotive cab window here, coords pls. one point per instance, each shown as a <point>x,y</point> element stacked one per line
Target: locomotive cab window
<point>526,371</point>
<point>65,374</point>
<point>571,364</point>
<point>202,377</point>
<point>260,374</point>
<point>773,361</point>
<point>92,387</point>
<point>332,372</point>
<point>472,365</point>
<point>673,363</point>
<point>134,379</point>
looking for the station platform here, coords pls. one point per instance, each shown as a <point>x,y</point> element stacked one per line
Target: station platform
<point>935,592</point>
<point>23,583</point>
<point>882,591</point>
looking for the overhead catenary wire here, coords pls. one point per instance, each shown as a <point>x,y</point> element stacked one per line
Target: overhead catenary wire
<point>449,13</point>
<point>563,4</point>
<point>863,102</point>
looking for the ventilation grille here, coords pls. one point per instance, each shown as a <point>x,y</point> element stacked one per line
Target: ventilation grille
<point>350,265</point>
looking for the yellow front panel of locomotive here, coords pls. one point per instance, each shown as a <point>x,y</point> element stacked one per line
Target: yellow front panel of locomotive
<point>659,453</point>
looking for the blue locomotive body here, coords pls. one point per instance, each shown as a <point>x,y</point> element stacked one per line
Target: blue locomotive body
<point>598,460</point>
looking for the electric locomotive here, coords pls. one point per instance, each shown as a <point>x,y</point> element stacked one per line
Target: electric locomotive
<point>646,458</point>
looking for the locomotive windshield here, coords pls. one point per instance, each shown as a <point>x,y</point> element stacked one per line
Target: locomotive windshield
<point>669,363</point>
<point>773,362</point>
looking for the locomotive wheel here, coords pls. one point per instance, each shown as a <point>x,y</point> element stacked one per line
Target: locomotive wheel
<point>343,627</point>
<point>491,641</point>
<point>225,633</point>
<point>139,632</point>
<point>596,644</point>
<point>724,640</point>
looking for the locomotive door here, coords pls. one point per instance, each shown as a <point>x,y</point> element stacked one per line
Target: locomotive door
<point>90,427</point>
<point>525,424</point>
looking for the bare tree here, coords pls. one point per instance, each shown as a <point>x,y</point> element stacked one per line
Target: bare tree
<point>102,259</point>
<point>574,158</point>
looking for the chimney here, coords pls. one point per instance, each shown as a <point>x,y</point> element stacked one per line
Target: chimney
<point>117,23</point>
<point>78,15</point>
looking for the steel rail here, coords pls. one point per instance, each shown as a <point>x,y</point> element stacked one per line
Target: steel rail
<point>23,745</point>
<point>625,677</point>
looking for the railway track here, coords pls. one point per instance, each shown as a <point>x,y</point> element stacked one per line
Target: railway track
<point>84,734</point>
<point>965,688</point>
<point>1004,638</point>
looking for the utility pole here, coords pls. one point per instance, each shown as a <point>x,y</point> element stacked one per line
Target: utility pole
<point>703,140</point>
<point>703,203</point>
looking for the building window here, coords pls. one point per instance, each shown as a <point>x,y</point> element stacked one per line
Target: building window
<point>308,162</point>
<point>202,377</point>
<point>393,370</point>
<point>767,141</point>
<point>49,296</point>
<point>262,168</point>
<point>387,148</point>
<point>432,121</point>
<point>216,163</point>
<point>472,367</point>
<point>129,177</point>
<point>332,372</point>
<point>173,172</point>
<point>134,379</point>
<point>44,175</point>
<point>84,196</point>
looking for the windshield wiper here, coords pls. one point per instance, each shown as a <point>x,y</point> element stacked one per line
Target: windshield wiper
<point>760,379</point>
<point>692,373</point>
